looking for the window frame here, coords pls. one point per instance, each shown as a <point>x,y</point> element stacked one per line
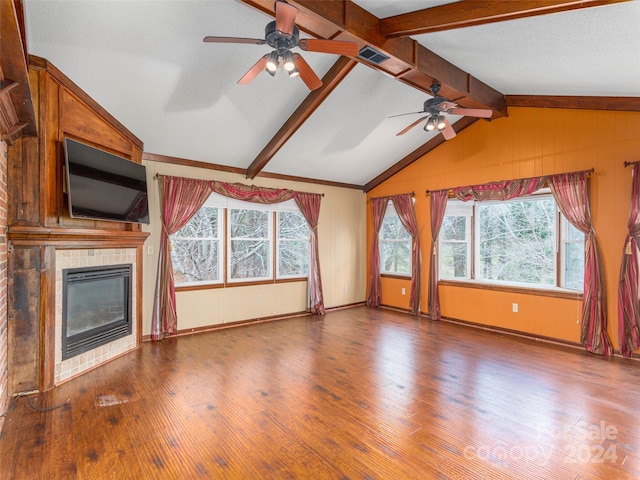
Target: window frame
<point>560,225</point>
<point>224,205</point>
<point>279,241</point>
<point>228,251</point>
<point>221,225</point>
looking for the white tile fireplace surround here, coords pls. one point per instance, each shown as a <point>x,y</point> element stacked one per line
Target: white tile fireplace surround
<point>71,367</point>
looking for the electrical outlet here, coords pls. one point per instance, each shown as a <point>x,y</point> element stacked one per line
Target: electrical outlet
<point>514,307</point>
<point>259,298</point>
<point>345,287</point>
<point>404,291</point>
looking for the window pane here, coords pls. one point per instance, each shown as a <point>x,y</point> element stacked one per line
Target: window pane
<point>453,228</point>
<point>249,223</point>
<point>195,251</point>
<point>574,265</point>
<point>292,225</point>
<point>249,245</point>
<point>293,258</point>
<point>293,245</point>
<point>195,260</point>
<point>517,241</point>
<point>249,259</point>
<point>453,260</point>
<point>395,245</point>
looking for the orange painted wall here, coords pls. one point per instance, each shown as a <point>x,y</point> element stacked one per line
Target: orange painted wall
<point>530,142</point>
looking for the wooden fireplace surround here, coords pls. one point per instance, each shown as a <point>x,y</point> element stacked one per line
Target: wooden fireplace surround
<point>39,221</point>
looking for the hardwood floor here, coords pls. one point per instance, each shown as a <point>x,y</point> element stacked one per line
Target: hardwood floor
<point>360,394</point>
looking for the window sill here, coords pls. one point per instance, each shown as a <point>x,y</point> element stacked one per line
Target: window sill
<point>540,291</point>
<point>211,286</point>
<point>397,276</point>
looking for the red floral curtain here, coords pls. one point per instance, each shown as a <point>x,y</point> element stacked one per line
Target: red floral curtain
<point>374,298</point>
<point>309,205</point>
<point>571,194</point>
<point>406,213</point>
<point>181,198</point>
<point>438,207</point>
<point>628,312</point>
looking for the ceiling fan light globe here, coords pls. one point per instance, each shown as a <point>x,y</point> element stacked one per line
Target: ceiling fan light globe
<point>440,123</point>
<point>294,72</point>
<point>430,125</point>
<point>272,62</point>
<point>288,64</point>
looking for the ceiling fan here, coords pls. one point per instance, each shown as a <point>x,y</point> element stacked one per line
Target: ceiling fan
<point>282,35</point>
<point>434,109</point>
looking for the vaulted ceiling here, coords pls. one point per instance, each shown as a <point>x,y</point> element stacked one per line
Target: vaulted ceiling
<point>145,62</point>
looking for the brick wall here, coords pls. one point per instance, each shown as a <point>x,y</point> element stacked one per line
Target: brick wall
<point>3,279</point>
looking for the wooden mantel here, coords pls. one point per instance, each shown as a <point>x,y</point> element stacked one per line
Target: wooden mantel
<point>75,238</point>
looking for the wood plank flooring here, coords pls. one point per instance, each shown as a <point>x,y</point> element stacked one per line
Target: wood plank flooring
<point>360,394</point>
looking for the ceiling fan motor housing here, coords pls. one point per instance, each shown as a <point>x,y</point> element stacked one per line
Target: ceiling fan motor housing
<point>279,41</point>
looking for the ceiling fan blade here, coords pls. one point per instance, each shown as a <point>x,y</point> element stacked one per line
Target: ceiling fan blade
<point>329,46</point>
<point>307,75</point>
<point>402,132</point>
<point>471,112</point>
<point>403,114</point>
<point>285,17</point>
<point>448,133</point>
<point>254,71</point>
<point>254,41</point>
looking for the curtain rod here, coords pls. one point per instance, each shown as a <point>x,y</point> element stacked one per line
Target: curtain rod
<point>588,172</point>
<point>158,175</point>
<point>413,194</point>
<point>628,164</point>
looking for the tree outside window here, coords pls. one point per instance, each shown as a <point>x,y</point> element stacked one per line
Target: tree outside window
<point>513,242</point>
<point>395,245</point>
<point>249,244</point>
<point>196,251</point>
<point>256,237</point>
<point>293,245</point>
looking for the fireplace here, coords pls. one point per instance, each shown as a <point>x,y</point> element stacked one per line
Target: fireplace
<point>96,307</point>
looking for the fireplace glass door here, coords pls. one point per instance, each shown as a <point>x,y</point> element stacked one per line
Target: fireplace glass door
<point>96,307</point>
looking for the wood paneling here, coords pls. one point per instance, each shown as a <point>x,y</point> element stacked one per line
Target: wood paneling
<point>359,393</point>
<point>39,221</point>
<point>23,325</point>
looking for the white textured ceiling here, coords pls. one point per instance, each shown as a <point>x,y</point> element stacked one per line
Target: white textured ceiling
<point>144,61</point>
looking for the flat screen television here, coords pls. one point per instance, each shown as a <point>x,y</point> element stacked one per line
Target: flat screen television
<point>103,186</point>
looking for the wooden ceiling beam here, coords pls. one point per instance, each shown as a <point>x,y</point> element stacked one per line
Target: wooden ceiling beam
<point>17,115</point>
<point>418,153</point>
<point>409,62</point>
<point>620,104</point>
<point>469,13</point>
<point>330,81</point>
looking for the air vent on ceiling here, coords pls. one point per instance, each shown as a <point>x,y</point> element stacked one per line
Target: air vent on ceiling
<point>372,55</point>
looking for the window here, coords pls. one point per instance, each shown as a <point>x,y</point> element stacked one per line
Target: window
<point>293,245</point>
<point>196,250</point>
<point>455,241</point>
<point>250,234</point>
<point>229,242</point>
<point>525,241</point>
<point>395,245</point>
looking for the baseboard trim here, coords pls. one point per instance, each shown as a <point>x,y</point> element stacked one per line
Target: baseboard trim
<point>252,321</point>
